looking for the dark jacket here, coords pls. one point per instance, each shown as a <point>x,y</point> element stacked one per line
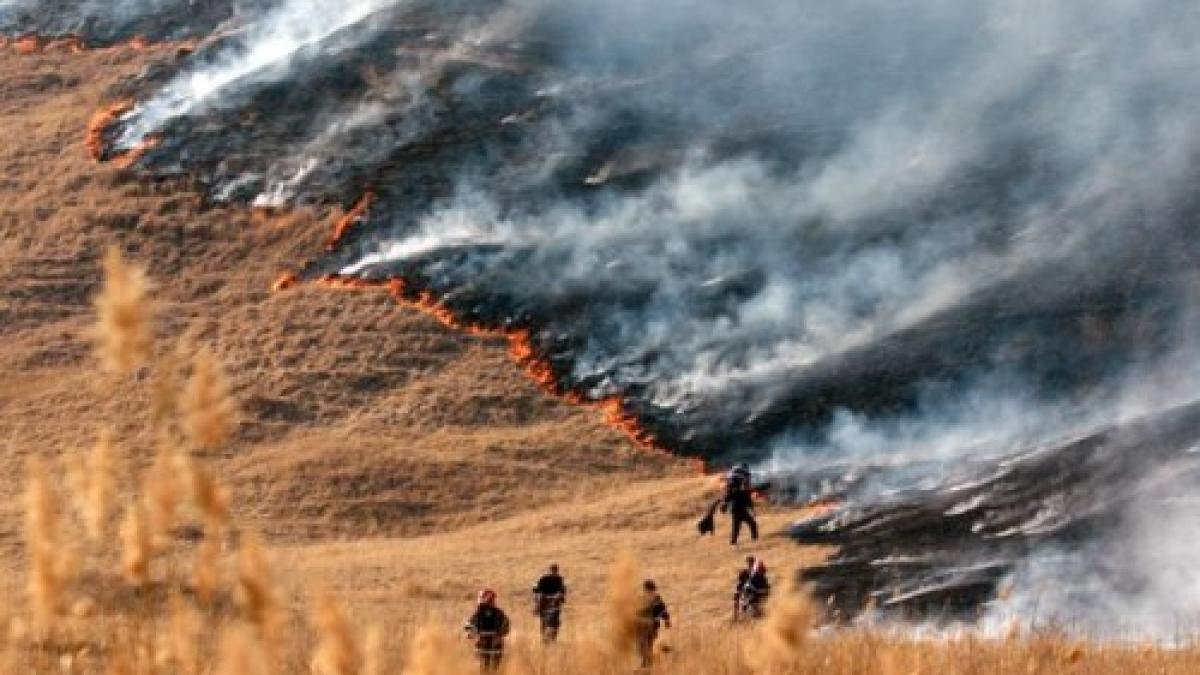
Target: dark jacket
<point>488,620</point>
<point>740,500</point>
<point>757,585</point>
<point>551,584</point>
<point>742,578</point>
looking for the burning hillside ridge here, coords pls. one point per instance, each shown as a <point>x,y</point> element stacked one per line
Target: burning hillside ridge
<point>916,235</point>
<point>103,23</point>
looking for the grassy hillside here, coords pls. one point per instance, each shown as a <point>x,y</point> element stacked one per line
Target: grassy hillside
<point>389,463</point>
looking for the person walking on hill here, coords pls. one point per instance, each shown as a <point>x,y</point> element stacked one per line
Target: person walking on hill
<point>652,616</point>
<point>488,627</point>
<point>739,500</point>
<point>738,497</point>
<point>755,591</point>
<point>742,577</point>
<point>549,596</point>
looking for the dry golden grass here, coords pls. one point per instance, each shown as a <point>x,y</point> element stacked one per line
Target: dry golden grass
<point>151,622</point>
<point>207,409</point>
<point>394,464</point>
<point>124,332</point>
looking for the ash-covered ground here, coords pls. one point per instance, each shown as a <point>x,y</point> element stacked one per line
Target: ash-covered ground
<point>938,253</point>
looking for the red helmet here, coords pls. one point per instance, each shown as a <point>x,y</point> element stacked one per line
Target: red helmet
<point>487,596</point>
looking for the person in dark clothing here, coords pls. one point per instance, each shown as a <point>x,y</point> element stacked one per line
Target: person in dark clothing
<point>738,498</point>
<point>652,616</point>
<point>740,502</point>
<point>549,595</point>
<point>742,577</point>
<point>488,627</point>
<point>755,592</point>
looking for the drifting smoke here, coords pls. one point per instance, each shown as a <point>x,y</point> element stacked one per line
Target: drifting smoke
<point>915,236</point>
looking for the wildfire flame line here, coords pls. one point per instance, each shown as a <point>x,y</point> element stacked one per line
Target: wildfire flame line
<point>520,343</point>
<point>520,348</point>
<point>344,224</point>
<point>96,141</point>
<point>26,45</point>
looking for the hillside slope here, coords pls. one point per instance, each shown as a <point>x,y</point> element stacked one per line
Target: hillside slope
<point>425,452</point>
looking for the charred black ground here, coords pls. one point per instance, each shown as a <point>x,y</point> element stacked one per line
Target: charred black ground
<point>748,232</point>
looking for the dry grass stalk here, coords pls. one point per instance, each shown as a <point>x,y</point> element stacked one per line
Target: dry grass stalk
<point>337,652</point>
<point>373,658</point>
<point>124,332</point>
<point>207,408</point>
<point>433,652</point>
<point>51,564</point>
<point>136,547</point>
<point>790,619</point>
<point>256,594</point>
<point>623,599</point>
<point>209,497</point>
<point>186,625</point>
<point>206,573</point>
<point>164,491</point>
<point>101,486</point>
<point>212,502</point>
<point>240,653</point>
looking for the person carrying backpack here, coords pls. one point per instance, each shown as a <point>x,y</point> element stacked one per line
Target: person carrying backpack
<point>652,616</point>
<point>742,577</point>
<point>549,596</point>
<point>755,592</point>
<point>488,627</point>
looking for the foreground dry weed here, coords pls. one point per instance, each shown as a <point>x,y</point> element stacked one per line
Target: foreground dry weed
<point>624,598</point>
<point>50,565</point>
<point>434,651</point>
<point>208,410</point>
<point>784,634</point>
<point>135,544</point>
<point>337,652</point>
<point>124,328</point>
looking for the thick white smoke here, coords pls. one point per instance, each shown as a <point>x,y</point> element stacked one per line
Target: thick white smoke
<point>1077,113</point>
<point>265,52</point>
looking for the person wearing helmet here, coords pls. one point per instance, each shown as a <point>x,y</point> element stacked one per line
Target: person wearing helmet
<point>739,501</point>
<point>739,477</point>
<point>652,616</point>
<point>549,596</point>
<point>742,577</point>
<point>755,592</point>
<point>488,627</point>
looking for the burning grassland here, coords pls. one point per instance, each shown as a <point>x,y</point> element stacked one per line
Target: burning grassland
<point>800,235</point>
<point>32,26</point>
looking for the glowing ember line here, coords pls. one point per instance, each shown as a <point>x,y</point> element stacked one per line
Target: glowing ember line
<point>95,142</point>
<point>520,348</point>
<point>348,221</point>
<point>27,45</point>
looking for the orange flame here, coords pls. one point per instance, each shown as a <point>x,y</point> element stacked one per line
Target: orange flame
<point>93,138</point>
<point>520,348</point>
<point>352,218</point>
<point>74,44</point>
<point>104,118</point>
<point>36,44</point>
<point>284,282</point>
